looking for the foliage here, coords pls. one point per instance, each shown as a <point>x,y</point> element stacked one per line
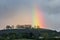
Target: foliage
<point>27,34</point>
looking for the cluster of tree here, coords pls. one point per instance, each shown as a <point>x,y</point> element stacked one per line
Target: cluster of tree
<point>10,27</point>
<point>11,36</point>
<point>18,26</point>
<point>28,34</point>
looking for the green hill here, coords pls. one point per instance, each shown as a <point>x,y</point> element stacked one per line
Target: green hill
<point>28,33</point>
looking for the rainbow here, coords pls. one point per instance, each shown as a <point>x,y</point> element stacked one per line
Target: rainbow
<point>38,17</point>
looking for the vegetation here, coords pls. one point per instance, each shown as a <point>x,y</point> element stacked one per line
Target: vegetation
<point>33,34</point>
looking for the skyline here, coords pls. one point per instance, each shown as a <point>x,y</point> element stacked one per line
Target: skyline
<point>13,12</point>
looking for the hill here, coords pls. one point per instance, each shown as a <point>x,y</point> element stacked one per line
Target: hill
<point>28,33</point>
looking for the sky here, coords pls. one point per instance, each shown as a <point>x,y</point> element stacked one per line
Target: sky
<point>13,12</point>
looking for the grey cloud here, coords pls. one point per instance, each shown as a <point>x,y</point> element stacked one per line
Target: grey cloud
<point>52,13</point>
<point>8,8</point>
<point>51,9</point>
<point>52,6</point>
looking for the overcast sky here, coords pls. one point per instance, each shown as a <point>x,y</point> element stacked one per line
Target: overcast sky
<point>20,12</point>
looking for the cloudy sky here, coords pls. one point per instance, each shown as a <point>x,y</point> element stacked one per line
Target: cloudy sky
<point>13,12</point>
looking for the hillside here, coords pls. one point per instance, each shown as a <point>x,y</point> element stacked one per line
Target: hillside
<point>28,33</point>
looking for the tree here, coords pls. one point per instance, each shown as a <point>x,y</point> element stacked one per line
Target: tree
<point>8,27</point>
<point>19,26</point>
<point>46,36</point>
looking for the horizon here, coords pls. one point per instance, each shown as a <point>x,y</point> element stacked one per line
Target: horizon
<point>32,26</point>
<point>13,12</point>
